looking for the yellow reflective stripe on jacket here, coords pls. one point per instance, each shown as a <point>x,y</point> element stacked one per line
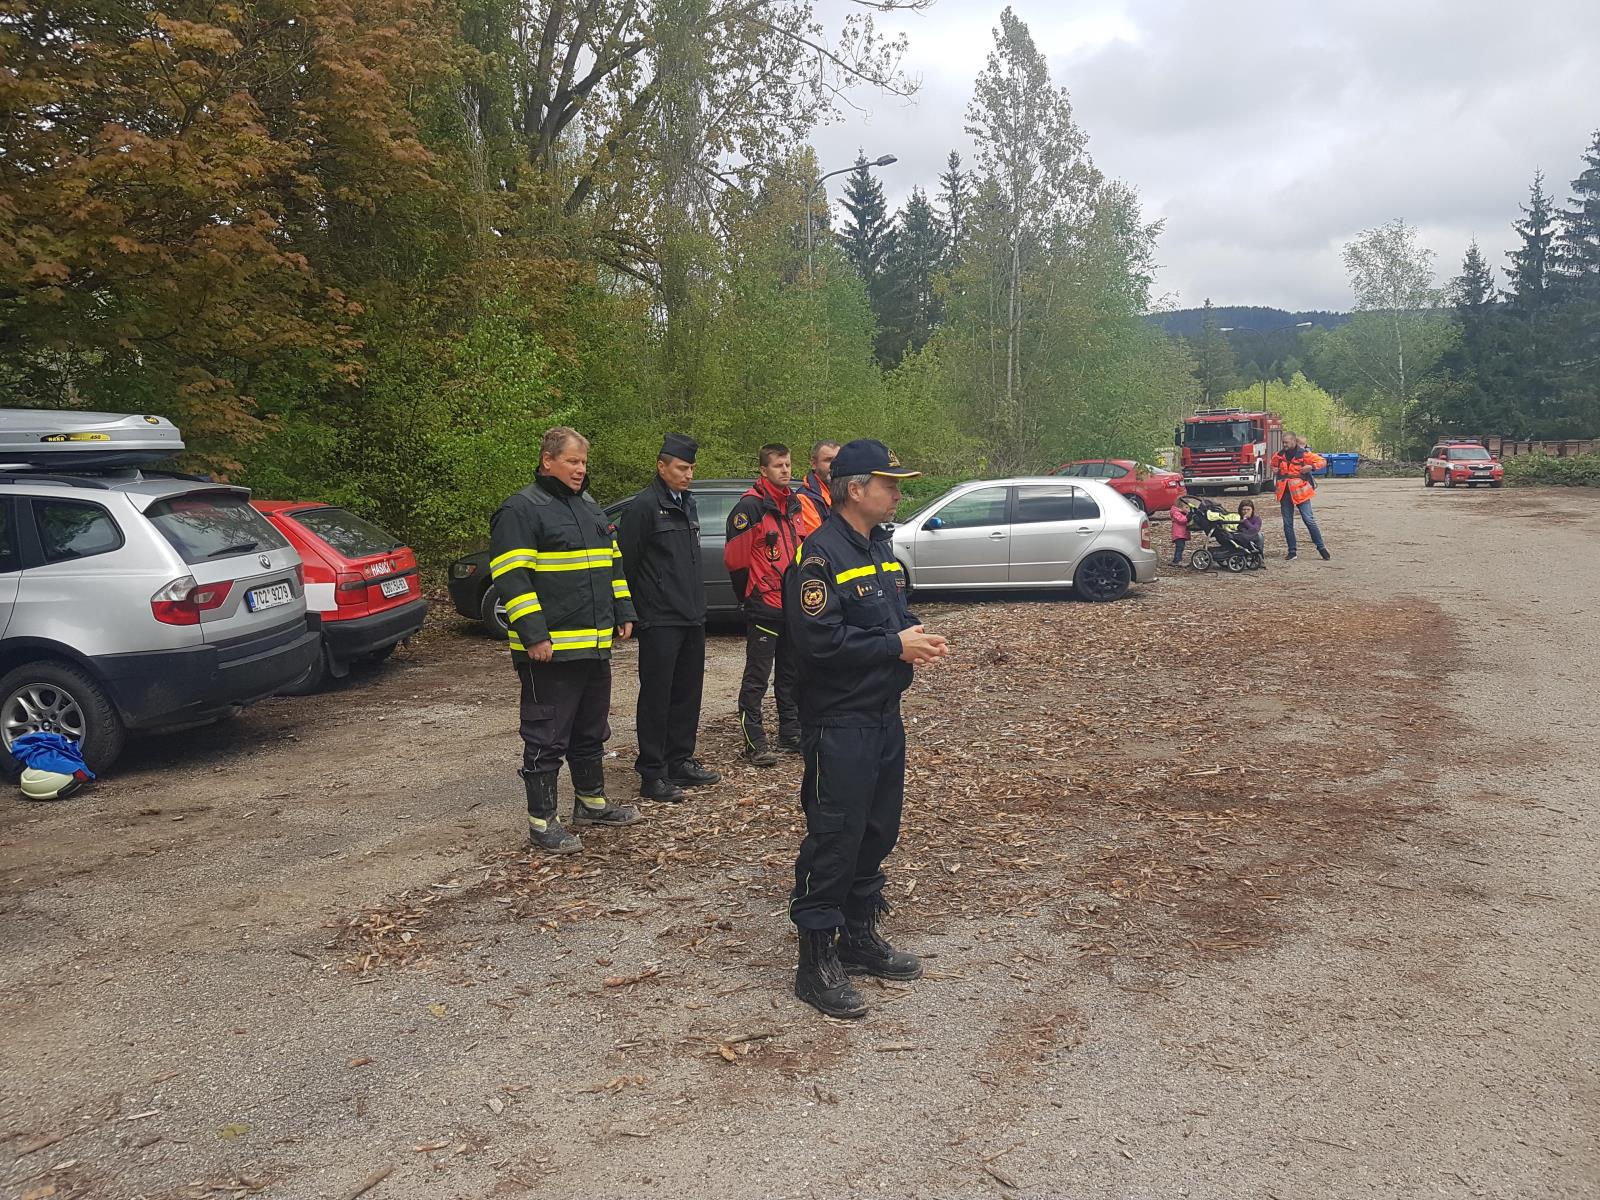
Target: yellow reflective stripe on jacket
<point>616,550</point>
<point>580,639</point>
<point>619,588</point>
<point>855,573</point>
<point>511,560</point>
<point>521,606</point>
<point>889,566</point>
<point>575,560</point>
<point>516,642</point>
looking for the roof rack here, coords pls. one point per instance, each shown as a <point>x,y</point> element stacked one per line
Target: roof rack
<point>9,474</point>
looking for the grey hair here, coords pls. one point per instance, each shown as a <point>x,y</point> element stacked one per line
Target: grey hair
<point>819,447</point>
<point>839,487</point>
<point>555,441</point>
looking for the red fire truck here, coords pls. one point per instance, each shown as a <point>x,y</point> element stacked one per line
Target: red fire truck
<point>1229,447</point>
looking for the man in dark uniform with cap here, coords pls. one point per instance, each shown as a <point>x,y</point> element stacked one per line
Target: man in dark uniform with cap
<point>659,530</point>
<point>558,572</point>
<point>856,643</point>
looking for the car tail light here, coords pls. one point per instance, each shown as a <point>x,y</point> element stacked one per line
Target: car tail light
<point>183,600</point>
<point>1144,534</point>
<point>300,574</point>
<point>349,588</point>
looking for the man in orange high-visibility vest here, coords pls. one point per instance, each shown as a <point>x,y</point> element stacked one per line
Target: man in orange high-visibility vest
<point>1292,467</point>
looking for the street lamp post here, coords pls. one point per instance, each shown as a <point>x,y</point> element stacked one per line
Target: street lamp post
<point>1266,333</point>
<point>883,160</point>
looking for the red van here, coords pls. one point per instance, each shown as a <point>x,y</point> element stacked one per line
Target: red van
<point>361,578</point>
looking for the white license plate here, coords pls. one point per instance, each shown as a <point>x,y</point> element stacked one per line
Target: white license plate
<point>394,587</point>
<point>270,596</point>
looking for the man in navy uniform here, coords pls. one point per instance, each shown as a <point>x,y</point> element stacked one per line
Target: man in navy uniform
<point>659,531</point>
<point>856,644</point>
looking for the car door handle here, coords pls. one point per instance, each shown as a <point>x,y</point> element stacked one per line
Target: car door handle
<point>997,535</point>
<point>1085,528</point>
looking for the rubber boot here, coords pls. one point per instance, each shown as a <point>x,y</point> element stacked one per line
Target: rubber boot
<point>545,830</point>
<point>591,805</point>
<point>820,980</point>
<point>863,950</point>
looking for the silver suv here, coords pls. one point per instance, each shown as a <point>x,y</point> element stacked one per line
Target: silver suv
<point>132,601</point>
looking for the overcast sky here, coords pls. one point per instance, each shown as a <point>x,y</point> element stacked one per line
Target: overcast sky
<point>1267,135</point>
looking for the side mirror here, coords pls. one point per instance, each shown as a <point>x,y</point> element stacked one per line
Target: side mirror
<point>933,523</point>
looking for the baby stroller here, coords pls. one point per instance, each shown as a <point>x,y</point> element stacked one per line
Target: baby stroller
<point>1227,546</point>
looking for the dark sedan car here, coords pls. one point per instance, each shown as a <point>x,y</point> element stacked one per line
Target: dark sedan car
<point>469,577</point>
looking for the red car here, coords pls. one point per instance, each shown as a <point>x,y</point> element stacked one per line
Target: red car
<point>1456,461</point>
<point>1151,489</point>
<point>360,577</point>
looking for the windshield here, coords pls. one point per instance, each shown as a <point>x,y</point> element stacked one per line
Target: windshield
<point>1469,453</point>
<point>204,525</point>
<point>1219,435</point>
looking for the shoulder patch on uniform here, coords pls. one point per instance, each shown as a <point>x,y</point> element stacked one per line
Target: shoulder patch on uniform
<point>813,597</point>
<point>741,520</point>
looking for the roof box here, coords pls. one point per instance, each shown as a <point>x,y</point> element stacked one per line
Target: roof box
<point>65,440</point>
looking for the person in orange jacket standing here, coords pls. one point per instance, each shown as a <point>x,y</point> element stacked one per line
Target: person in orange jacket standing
<point>816,500</point>
<point>1292,467</point>
<point>763,535</point>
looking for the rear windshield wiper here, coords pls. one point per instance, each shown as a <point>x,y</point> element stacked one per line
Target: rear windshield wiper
<point>241,548</point>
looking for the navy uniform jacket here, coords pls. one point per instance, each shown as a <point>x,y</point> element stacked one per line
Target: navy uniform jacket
<point>844,604</point>
<point>660,540</point>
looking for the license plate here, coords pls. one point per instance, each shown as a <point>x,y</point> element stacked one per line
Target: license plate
<point>270,596</point>
<point>394,587</point>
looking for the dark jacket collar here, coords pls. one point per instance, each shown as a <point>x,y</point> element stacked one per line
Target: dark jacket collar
<point>556,488</point>
<point>880,533</point>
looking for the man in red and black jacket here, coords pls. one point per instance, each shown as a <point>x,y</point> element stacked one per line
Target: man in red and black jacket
<point>763,535</point>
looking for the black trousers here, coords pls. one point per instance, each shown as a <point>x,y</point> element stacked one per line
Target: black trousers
<point>852,794</point>
<point>766,648</point>
<point>672,672</point>
<point>566,708</point>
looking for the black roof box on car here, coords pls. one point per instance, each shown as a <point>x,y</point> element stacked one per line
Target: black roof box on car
<point>66,440</point>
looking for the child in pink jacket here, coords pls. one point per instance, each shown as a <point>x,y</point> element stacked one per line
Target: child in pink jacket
<point>1180,530</point>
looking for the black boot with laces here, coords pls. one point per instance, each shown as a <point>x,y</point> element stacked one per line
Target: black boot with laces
<point>863,951</point>
<point>820,980</point>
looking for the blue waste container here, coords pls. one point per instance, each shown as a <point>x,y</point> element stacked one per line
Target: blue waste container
<point>1343,464</point>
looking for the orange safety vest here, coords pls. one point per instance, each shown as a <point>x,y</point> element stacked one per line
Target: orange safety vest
<point>1291,476</point>
<point>816,502</point>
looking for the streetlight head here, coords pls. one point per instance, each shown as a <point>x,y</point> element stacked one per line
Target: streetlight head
<point>884,160</point>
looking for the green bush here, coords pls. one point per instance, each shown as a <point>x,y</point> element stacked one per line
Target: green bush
<point>1546,470</point>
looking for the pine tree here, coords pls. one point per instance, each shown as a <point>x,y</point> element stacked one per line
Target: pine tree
<point>1473,290</point>
<point>869,233</point>
<point>911,306</point>
<point>1214,369</point>
<point>1578,245</point>
<point>1531,264</point>
<point>953,200</point>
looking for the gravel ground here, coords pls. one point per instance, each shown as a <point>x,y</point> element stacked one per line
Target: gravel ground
<point>1270,885</point>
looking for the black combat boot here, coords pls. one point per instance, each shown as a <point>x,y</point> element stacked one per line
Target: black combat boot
<point>758,755</point>
<point>663,791</point>
<point>863,951</point>
<point>820,980</point>
<point>789,743</point>
<point>589,782</point>
<point>544,830</point>
<point>692,773</point>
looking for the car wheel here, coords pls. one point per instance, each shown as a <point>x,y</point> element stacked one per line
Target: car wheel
<point>1427,479</point>
<point>1103,576</point>
<point>1449,481</point>
<point>1138,502</point>
<point>492,616</point>
<point>55,697</point>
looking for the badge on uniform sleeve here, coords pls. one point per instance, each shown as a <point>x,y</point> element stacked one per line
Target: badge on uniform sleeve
<point>813,597</point>
<point>740,520</point>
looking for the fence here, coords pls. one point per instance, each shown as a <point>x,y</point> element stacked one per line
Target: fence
<point>1504,447</point>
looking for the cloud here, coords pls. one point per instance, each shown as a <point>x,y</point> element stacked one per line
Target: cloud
<point>1266,135</point>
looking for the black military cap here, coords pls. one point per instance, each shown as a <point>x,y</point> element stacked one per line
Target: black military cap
<point>868,457</point>
<point>677,445</point>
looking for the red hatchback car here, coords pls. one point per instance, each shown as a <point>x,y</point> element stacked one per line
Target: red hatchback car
<point>360,577</point>
<point>1151,489</point>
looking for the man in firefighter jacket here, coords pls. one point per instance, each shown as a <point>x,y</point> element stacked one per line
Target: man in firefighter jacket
<point>763,534</point>
<point>559,574</point>
<point>814,496</point>
<point>856,643</point>
<point>1292,467</point>
<point>659,530</point>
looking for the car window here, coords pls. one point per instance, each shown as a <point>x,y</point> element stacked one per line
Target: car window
<point>204,525</point>
<point>10,559</point>
<point>71,529</point>
<point>1114,471</point>
<point>1075,471</point>
<point>1036,504</point>
<point>714,508</point>
<point>986,506</point>
<point>1084,507</point>
<point>350,535</point>
<point>1469,454</point>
